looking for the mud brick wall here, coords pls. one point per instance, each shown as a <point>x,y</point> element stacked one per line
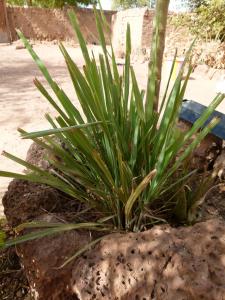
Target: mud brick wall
<point>3,27</point>
<point>53,24</point>
<point>140,20</point>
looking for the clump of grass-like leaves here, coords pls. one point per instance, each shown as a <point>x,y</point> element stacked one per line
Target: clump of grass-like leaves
<point>119,157</point>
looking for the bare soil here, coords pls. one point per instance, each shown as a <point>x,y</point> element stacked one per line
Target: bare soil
<point>21,104</point>
<point>13,282</point>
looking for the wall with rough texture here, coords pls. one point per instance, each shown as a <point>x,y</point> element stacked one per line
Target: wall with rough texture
<point>140,20</point>
<point>3,27</point>
<point>211,53</point>
<point>147,28</point>
<point>53,24</point>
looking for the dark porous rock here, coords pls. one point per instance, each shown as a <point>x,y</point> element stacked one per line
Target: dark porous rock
<point>219,166</point>
<point>42,259</point>
<point>213,206</point>
<point>164,263</point>
<point>36,155</point>
<point>39,156</point>
<point>205,155</point>
<point>185,263</point>
<point>25,200</point>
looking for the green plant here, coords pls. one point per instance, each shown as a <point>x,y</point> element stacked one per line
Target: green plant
<point>122,158</point>
<point>2,232</point>
<point>50,3</point>
<point>130,3</point>
<point>207,21</point>
<point>197,3</point>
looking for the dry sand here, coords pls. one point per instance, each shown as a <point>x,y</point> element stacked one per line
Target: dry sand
<point>21,105</point>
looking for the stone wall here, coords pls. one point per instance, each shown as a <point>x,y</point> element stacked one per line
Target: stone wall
<point>210,53</point>
<point>3,26</point>
<point>53,24</point>
<point>147,28</point>
<point>140,20</point>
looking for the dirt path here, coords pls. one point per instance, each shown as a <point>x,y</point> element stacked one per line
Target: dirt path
<point>21,105</point>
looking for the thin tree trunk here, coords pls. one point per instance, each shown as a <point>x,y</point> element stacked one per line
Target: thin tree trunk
<point>158,43</point>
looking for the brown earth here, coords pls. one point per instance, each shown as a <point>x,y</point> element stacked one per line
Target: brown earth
<point>53,24</point>
<point>13,281</point>
<point>21,103</point>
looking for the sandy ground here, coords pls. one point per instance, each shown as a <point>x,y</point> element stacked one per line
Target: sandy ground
<point>21,105</point>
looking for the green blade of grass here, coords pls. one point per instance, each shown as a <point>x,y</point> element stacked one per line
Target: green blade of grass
<point>43,133</point>
<point>50,231</point>
<point>136,193</point>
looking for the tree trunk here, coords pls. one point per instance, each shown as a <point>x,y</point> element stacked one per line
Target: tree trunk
<point>158,44</point>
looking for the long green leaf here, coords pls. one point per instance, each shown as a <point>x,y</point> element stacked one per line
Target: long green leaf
<point>136,193</point>
<point>58,130</point>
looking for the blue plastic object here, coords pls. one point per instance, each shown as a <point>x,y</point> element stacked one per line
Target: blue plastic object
<point>192,110</point>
